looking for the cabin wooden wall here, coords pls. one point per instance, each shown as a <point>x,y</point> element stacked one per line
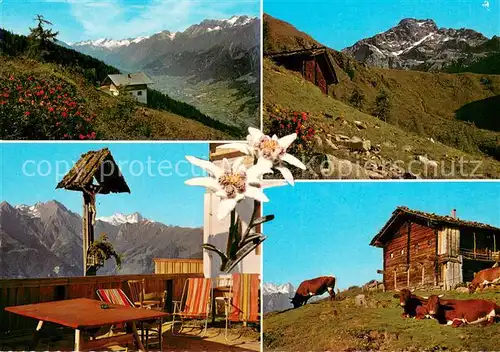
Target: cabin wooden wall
<point>320,80</point>
<point>27,291</point>
<point>310,70</point>
<point>410,257</point>
<point>450,268</point>
<point>178,266</point>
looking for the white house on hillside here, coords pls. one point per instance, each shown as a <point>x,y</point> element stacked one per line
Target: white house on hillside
<point>135,84</point>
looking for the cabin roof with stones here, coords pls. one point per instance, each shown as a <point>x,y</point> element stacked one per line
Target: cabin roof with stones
<point>403,214</point>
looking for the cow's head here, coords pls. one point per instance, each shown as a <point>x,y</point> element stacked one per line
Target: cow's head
<point>404,296</point>
<point>433,303</point>
<point>296,301</point>
<point>472,288</point>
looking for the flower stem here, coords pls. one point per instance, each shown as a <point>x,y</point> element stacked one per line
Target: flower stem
<point>230,235</point>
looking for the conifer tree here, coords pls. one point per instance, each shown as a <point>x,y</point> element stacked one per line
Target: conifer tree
<point>40,37</point>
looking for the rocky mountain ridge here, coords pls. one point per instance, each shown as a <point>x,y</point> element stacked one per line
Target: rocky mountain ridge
<point>421,45</point>
<point>277,297</point>
<point>44,240</point>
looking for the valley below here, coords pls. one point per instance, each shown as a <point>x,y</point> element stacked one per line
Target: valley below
<point>213,65</point>
<point>225,101</point>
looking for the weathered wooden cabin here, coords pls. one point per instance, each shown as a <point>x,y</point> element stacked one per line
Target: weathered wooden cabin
<point>134,84</point>
<point>315,65</point>
<point>428,250</point>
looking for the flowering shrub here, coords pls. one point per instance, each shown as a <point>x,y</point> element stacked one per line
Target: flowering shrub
<point>284,122</point>
<point>36,108</point>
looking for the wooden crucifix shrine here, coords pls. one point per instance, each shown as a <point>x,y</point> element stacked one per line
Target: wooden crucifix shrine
<point>94,173</point>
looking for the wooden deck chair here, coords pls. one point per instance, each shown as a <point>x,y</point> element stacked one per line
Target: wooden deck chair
<point>244,301</point>
<point>117,296</point>
<point>143,299</point>
<point>195,303</point>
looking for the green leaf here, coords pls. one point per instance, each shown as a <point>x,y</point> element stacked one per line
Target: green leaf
<point>262,220</point>
<point>241,254</point>
<point>255,237</point>
<point>211,247</point>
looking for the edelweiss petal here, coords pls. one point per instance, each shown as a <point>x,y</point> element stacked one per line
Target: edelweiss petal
<point>255,172</point>
<point>287,140</point>
<point>289,158</point>
<point>242,147</point>
<point>287,175</point>
<point>255,133</point>
<point>205,165</point>
<point>257,194</point>
<point>225,207</point>
<point>208,182</point>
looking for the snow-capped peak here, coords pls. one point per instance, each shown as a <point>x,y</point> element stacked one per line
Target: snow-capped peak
<point>239,20</point>
<point>119,218</point>
<point>270,288</point>
<point>109,43</point>
<point>30,210</point>
<point>196,29</point>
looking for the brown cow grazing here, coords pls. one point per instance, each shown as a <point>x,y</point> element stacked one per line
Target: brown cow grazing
<point>413,305</point>
<point>313,287</point>
<point>456,312</point>
<point>484,278</point>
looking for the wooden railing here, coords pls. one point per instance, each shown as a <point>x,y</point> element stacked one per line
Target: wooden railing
<point>481,255</point>
<point>26,291</point>
<point>178,266</point>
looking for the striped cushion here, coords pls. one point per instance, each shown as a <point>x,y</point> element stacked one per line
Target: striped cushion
<point>198,297</point>
<point>245,302</point>
<point>114,296</point>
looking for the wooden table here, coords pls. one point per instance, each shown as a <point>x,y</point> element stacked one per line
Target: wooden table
<point>83,313</point>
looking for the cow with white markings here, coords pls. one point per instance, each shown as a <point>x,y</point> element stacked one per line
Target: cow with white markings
<point>486,277</point>
<point>314,287</point>
<point>456,312</point>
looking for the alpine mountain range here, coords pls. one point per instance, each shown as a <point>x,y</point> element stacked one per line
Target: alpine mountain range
<point>45,240</point>
<point>420,44</point>
<point>213,65</point>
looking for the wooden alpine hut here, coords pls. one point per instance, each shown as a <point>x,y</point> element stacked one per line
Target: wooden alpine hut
<point>427,250</point>
<point>314,64</point>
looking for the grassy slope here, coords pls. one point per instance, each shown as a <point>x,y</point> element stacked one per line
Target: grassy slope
<point>342,326</point>
<point>141,123</point>
<point>288,90</point>
<point>423,103</point>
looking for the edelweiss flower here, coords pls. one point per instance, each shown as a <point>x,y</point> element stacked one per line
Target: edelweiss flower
<point>271,152</point>
<point>232,183</point>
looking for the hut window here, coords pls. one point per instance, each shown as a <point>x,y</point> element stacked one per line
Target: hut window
<point>139,92</point>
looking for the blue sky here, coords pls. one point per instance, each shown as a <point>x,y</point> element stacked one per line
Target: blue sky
<point>340,23</point>
<point>160,198</point>
<point>325,228</point>
<point>78,20</point>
